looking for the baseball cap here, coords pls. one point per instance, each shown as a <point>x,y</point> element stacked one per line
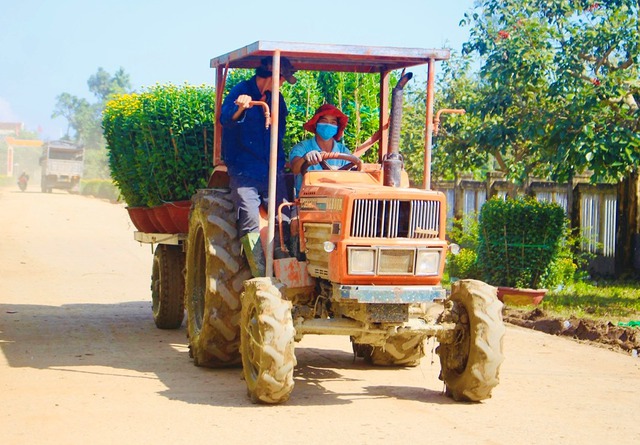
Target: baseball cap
<point>286,69</point>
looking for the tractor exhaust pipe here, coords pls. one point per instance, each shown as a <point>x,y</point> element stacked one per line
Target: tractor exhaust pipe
<point>393,163</point>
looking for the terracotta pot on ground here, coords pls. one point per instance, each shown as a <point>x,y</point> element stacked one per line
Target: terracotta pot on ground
<point>514,296</point>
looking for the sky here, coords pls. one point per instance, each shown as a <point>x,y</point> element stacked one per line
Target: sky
<point>50,47</point>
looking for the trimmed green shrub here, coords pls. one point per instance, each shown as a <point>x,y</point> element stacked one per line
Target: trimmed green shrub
<point>107,190</point>
<point>464,265</point>
<point>464,232</point>
<point>88,187</point>
<point>160,142</point>
<point>519,239</point>
<point>100,188</point>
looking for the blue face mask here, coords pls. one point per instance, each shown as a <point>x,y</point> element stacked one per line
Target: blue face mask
<point>326,131</point>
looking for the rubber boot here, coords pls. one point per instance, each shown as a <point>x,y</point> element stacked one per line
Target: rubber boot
<point>255,255</point>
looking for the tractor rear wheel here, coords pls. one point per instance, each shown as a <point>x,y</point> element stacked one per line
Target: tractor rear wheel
<point>403,349</point>
<point>471,363</point>
<point>167,286</point>
<point>215,273</point>
<point>268,356</point>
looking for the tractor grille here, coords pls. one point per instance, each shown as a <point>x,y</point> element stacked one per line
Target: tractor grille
<point>392,218</point>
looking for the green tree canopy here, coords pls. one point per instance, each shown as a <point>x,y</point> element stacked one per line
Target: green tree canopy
<point>83,117</point>
<point>556,92</point>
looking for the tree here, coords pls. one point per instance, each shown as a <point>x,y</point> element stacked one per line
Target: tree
<point>557,89</point>
<point>103,86</point>
<point>83,117</point>
<point>557,94</point>
<point>68,107</point>
<point>597,89</point>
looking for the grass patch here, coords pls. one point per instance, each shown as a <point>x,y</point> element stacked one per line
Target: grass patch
<point>612,301</point>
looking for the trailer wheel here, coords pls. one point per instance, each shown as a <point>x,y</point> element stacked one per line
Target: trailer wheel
<point>267,341</point>
<point>167,286</point>
<point>215,272</point>
<point>404,349</point>
<point>471,363</point>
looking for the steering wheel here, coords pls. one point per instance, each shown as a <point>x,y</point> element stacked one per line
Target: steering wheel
<point>353,162</point>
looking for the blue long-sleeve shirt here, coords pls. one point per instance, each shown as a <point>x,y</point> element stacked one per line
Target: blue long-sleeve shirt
<point>307,145</point>
<point>246,142</point>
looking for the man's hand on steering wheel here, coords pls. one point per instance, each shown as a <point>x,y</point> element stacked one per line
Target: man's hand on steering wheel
<point>313,157</point>
<point>320,158</point>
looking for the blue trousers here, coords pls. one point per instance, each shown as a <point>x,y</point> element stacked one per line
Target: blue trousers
<point>248,195</point>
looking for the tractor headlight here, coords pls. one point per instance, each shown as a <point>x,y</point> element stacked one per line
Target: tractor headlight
<point>428,262</point>
<point>362,261</point>
<point>396,261</point>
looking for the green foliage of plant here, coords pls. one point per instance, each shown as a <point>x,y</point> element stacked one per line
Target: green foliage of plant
<point>84,117</point>
<point>464,265</point>
<point>566,268</point>
<point>455,147</point>
<point>99,188</point>
<point>518,240</point>
<point>96,164</point>
<point>557,90</point>
<point>570,264</point>
<point>160,142</point>
<point>464,232</point>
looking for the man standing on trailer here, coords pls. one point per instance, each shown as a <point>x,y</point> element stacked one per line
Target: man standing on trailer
<point>246,148</point>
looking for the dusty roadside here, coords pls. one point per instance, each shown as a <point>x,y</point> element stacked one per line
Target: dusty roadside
<point>81,362</point>
<point>598,333</point>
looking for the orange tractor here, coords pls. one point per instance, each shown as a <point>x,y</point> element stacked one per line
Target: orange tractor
<point>369,263</point>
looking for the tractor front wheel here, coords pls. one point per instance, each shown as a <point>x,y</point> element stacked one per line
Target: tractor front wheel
<point>267,342</point>
<point>471,363</point>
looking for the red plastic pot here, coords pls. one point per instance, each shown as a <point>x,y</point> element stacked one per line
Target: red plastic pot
<point>140,217</point>
<point>161,214</point>
<point>179,213</point>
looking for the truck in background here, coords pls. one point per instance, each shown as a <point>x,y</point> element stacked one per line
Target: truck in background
<point>62,166</point>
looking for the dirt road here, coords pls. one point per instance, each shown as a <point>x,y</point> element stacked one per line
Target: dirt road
<point>81,362</point>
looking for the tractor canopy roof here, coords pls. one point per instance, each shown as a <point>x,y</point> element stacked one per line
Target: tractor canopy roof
<point>336,58</point>
<point>326,57</point>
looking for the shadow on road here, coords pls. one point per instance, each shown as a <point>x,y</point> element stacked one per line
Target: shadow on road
<point>317,367</point>
<point>122,340</point>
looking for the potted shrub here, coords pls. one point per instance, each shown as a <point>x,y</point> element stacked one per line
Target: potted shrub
<point>160,145</point>
<point>518,241</point>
